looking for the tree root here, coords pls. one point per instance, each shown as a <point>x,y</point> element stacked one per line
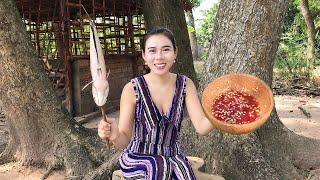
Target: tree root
<point>7,155</point>
<point>250,161</point>
<point>290,154</point>
<point>50,169</point>
<point>6,158</point>
<point>3,147</point>
<point>105,170</point>
<point>314,175</point>
<point>306,153</point>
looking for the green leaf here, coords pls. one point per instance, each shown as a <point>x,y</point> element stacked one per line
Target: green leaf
<point>190,29</point>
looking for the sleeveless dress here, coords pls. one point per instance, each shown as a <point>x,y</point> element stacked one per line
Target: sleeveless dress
<point>154,152</point>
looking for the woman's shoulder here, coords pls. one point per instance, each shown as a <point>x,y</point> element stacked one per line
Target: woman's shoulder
<point>186,78</point>
<point>188,82</point>
<point>129,87</point>
<point>128,92</point>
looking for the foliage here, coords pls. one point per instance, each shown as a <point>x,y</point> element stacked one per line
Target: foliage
<point>291,55</point>
<point>204,33</point>
<point>190,29</point>
<point>195,3</point>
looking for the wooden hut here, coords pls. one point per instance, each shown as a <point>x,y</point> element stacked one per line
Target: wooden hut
<point>59,31</point>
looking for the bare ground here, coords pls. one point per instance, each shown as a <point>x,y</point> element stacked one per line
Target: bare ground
<point>300,114</point>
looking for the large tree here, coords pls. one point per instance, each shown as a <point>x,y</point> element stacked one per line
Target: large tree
<point>192,30</point>
<point>42,132</point>
<point>170,14</point>
<point>304,5</point>
<point>246,37</point>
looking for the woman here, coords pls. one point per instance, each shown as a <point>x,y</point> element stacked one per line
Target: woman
<point>151,111</point>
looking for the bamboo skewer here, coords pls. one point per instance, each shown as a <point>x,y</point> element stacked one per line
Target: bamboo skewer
<point>105,119</point>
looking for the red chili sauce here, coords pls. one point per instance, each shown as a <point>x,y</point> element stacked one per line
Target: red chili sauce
<point>235,107</point>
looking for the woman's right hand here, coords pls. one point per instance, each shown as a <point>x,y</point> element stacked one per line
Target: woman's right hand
<point>108,129</point>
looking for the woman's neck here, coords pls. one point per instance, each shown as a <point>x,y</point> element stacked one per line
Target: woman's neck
<point>160,79</point>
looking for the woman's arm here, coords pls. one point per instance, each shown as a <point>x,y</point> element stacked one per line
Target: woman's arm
<point>195,111</point>
<point>120,134</point>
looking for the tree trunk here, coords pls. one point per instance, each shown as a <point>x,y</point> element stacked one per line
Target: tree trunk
<point>42,132</point>
<point>304,4</point>
<point>170,14</point>
<point>193,37</point>
<point>246,37</point>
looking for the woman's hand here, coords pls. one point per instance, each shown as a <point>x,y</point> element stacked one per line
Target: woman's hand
<point>108,129</point>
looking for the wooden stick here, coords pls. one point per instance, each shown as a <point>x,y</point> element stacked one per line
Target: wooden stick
<point>305,112</point>
<point>105,119</point>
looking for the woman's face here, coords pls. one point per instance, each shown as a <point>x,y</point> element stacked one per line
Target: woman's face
<point>159,54</point>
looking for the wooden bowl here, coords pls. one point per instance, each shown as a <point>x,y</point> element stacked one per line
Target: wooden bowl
<point>239,82</point>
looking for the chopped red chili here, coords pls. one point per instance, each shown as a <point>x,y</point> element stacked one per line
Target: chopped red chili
<point>235,107</point>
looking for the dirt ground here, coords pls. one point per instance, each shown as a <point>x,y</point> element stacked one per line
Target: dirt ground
<point>293,117</point>
<point>287,107</point>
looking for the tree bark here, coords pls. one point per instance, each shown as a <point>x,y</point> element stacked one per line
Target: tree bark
<point>42,132</point>
<point>246,37</point>
<point>170,14</point>
<point>193,37</point>
<point>304,5</point>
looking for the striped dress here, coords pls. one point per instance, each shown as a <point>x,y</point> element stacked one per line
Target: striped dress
<point>154,152</point>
